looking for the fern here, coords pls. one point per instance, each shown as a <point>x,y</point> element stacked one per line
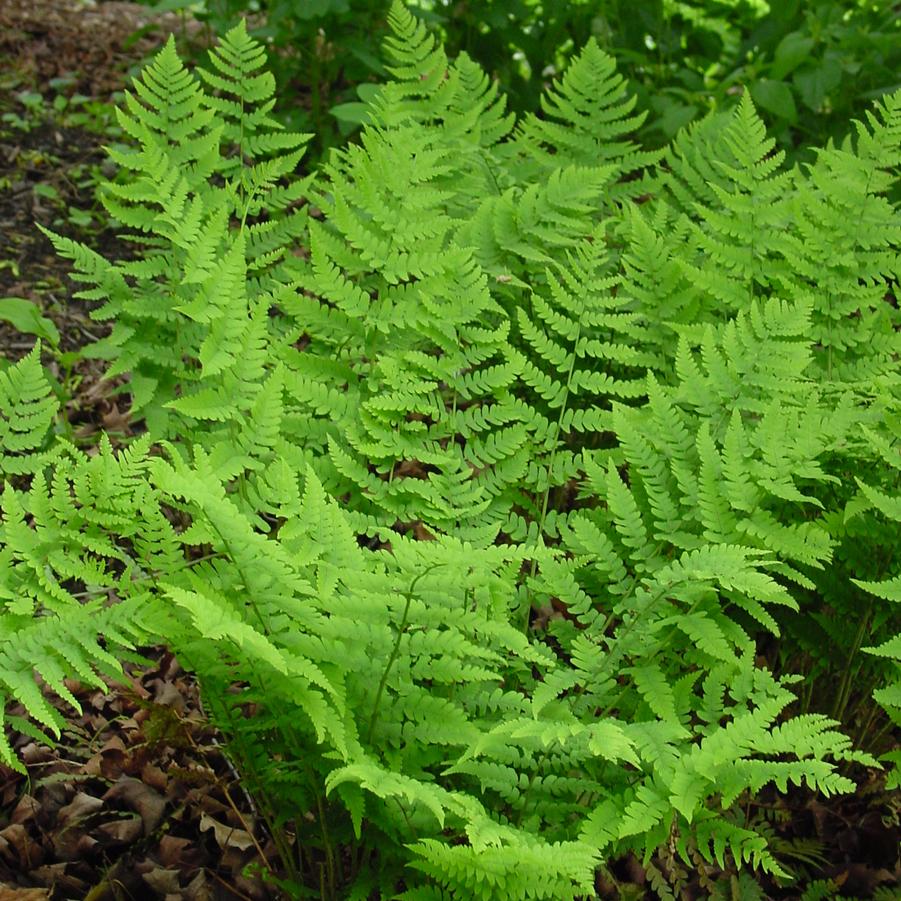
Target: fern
<point>438,337</point>
<point>27,412</point>
<point>588,115</point>
<point>356,458</point>
<point>846,243</point>
<point>179,308</point>
<point>583,349</point>
<point>884,623</point>
<point>86,527</point>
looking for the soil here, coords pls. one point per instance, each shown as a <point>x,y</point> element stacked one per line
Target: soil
<point>138,800</point>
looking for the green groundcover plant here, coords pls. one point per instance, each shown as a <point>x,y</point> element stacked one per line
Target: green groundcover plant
<point>477,465</point>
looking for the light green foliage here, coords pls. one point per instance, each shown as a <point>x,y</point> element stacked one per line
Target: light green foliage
<point>204,189</point>
<point>88,529</point>
<point>496,339</point>
<point>27,411</point>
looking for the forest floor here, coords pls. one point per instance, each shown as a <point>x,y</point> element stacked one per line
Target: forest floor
<point>138,800</point>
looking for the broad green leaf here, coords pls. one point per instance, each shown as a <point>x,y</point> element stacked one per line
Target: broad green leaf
<point>814,84</point>
<point>25,316</point>
<point>793,49</point>
<point>776,97</point>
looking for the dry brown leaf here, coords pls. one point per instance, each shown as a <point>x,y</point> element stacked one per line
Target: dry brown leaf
<point>122,831</point>
<point>80,807</point>
<point>171,849</point>
<point>34,753</point>
<point>163,881</point>
<point>141,798</point>
<point>116,420</point>
<point>26,810</point>
<point>11,893</point>
<point>167,694</point>
<point>21,849</point>
<point>197,889</point>
<point>226,836</point>
<point>154,777</point>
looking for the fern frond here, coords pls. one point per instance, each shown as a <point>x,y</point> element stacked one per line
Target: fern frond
<point>27,412</point>
<point>587,116</point>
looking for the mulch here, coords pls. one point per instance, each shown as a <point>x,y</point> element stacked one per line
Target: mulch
<point>94,42</point>
<point>136,801</point>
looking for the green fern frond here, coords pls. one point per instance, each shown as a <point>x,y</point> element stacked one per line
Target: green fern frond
<point>518,869</point>
<point>166,116</point>
<point>845,244</point>
<point>257,152</point>
<point>417,61</point>
<point>587,116</point>
<point>27,412</point>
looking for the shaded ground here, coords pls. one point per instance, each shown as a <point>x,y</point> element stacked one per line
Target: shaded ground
<point>138,800</point>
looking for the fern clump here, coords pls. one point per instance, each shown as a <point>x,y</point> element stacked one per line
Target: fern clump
<point>212,195</point>
<point>485,459</point>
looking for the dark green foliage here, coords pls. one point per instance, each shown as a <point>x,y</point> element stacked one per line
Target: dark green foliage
<point>809,65</point>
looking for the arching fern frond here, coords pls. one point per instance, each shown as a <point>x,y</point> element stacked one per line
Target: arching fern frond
<point>736,207</point>
<point>582,347</point>
<point>179,142</point>
<point>87,527</point>
<point>417,61</point>
<point>259,158</point>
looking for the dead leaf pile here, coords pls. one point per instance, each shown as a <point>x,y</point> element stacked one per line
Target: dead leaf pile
<point>136,802</point>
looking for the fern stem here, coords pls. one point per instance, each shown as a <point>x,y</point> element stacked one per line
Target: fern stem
<point>395,650</point>
<point>871,715</point>
<point>844,692</point>
<point>329,850</point>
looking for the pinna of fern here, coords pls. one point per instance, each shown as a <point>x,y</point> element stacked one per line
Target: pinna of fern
<point>562,175</point>
<point>398,649</point>
<point>832,248</point>
<point>728,182</point>
<point>673,575</point>
<point>864,542</point>
<point>258,158</point>
<point>723,455</point>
